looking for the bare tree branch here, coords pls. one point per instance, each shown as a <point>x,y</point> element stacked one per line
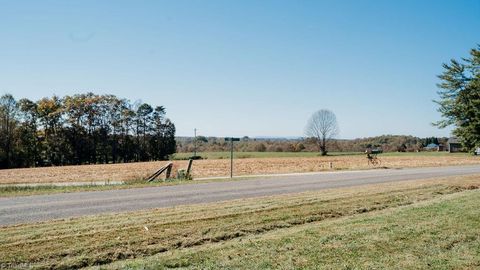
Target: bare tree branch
<point>322,126</point>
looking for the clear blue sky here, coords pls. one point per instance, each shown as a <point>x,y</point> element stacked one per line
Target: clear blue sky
<point>256,68</point>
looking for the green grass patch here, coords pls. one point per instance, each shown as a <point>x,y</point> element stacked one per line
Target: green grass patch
<point>443,234</point>
<point>225,155</point>
<point>425,154</point>
<point>44,189</point>
<point>241,155</point>
<point>14,190</point>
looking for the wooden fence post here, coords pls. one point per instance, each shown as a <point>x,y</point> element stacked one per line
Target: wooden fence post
<point>168,172</point>
<point>189,168</point>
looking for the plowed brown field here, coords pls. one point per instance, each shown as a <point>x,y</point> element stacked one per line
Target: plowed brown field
<point>221,167</point>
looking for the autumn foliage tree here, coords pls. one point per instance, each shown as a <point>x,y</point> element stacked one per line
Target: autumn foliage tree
<point>82,129</point>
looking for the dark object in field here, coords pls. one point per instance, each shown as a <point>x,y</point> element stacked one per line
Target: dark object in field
<point>374,151</point>
<point>195,157</point>
<point>372,156</point>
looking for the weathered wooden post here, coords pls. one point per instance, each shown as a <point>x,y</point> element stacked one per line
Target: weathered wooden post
<point>168,172</point>
<point>167,168</point>
<point>189,168</point>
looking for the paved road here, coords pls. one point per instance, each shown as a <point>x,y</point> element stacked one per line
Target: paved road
<point>45,207</point>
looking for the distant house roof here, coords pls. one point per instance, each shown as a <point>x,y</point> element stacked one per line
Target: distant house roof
<point>453,140</point>
<point>432,145</point>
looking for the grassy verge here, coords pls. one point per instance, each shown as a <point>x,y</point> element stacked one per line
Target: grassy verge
<point>13,191</point>
<point>103,239</point>
<point>241,155</point>
<point>443,234</point>
<point>43,189</point>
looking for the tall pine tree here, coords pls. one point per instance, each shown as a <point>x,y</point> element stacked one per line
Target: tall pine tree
<point>459,101</point>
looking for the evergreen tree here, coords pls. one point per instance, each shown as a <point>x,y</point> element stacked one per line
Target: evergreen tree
<point>459,101</point>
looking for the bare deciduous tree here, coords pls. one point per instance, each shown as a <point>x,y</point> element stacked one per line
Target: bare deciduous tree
<point>322,127</point>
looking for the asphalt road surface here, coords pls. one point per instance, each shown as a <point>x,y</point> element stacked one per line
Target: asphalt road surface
<point>45,207</point>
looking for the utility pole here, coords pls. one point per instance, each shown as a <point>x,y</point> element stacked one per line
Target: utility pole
<point>231,140</point>
<point>231,158</point>
<point>194,142</point>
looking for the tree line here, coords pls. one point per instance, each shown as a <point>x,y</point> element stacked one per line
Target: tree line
<point>388,143</point>
<point>82,129</point>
